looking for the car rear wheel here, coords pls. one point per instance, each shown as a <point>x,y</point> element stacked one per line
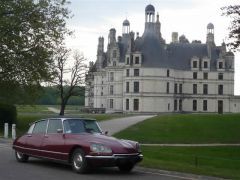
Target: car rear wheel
<point>79,163</point>
<point>21,157</point>
<point>126,167</point>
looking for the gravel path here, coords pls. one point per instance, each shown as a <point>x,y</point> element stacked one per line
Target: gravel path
<point>116,125</point>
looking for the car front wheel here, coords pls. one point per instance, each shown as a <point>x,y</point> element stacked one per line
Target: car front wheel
<point>21,157</point>
<point>126,167</point>
<point>79,163</point>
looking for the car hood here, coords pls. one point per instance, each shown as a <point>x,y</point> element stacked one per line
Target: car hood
<point>118,146</point>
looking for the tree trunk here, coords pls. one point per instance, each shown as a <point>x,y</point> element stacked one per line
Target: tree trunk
<point>63,105</point>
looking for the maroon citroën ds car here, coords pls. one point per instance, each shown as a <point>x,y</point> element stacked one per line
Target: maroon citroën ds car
<point>76,141</point>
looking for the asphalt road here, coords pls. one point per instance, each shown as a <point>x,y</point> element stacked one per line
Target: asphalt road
<point>37,169</point>
<point>115,125</point>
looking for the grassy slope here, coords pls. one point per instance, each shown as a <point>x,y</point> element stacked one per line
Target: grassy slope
<point>215,161</point>
<point>186,129</point>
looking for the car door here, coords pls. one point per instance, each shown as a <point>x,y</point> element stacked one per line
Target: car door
<point>53,141</point>
<point>34,139</point>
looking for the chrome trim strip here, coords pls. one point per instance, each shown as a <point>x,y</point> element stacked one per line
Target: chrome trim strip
<point>114,156</point>
<point>53,152</point>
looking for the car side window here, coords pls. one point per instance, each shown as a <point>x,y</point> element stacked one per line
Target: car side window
<point>30,130</point>
<point>54,125</point>
<point>40,127</point>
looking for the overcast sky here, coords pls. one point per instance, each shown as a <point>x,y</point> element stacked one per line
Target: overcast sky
<point>94,18</point>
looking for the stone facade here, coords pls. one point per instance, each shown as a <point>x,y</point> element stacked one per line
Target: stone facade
<point>144,74</point>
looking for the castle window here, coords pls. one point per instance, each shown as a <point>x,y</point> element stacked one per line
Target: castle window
<point>136,72</point>
<point>220,89</point>
<point>194,105</point>
<point>127,73</point>
<point>220,65</point>
<point>114,63</point>
<point>128,61</point>
<point>167,87</point>
<point>137,60</point>
<point>111,104</point>
<point>220,76</point>
<point>180,88</point>
<point>101,93</point>
<point>205,89</point>
<point>111,76</point>
<point>175,105</point>
<point>194,64</point>
<point>180,105</point>
<point>114,53</point>
<point>205,75</point>
<point>127,87</point>
<point>194,75</point>
<point>194,88</point>
<point>175,88</point>
<point>111,90</point>
<point>168,73</point>
<point>135,104</point>
<point>136,87</point>
<point>205,64</point>
<point>127,104</point>
<point>204,105</point>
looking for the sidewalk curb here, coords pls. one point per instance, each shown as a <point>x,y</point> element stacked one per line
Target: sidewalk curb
<point>179,175</point>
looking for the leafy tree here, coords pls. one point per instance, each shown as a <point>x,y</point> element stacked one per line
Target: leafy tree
<point>234,13</point>
<point>68,78</point>
<point>30,30</point>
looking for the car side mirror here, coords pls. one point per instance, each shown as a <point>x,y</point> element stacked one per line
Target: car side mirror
<point>106,133</point>
<point>59,131</point>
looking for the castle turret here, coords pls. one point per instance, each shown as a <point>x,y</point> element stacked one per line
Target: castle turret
<point>210,33</point>
<point>150,21</point>
<point>158,27</point>
<point>126,27</point>
<point>210,39</point>
<point>100,53</point>
<point>174,37</point>
<point>112,36</point>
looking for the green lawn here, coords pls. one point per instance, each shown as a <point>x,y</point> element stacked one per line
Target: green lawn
<point>33,109</point>
<point>214,161</point>
<point>195,129</point>
<point>186,129</point>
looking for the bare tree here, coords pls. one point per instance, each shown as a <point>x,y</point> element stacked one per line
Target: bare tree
<point>68,78</point>
<point>233,11</point>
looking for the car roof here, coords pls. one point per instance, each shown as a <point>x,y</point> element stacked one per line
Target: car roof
<point>63,118</point>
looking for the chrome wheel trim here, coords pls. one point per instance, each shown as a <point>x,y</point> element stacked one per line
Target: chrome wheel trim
<point>19,155</point>
<point>78,161</point>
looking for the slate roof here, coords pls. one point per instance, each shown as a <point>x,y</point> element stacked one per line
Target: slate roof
<point>174,55</point>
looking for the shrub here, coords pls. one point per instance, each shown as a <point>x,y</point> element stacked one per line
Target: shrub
<point>8,114</point>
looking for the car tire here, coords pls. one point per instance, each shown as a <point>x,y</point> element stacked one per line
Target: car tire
<point>21,157</point>
<point>79,162</point>
<point>125,168</point>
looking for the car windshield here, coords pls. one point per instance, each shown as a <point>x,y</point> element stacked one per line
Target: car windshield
<point>76,126</point>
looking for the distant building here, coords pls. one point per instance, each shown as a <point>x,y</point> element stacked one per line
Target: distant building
<point>144,74</point>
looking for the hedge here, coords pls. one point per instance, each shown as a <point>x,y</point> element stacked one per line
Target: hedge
<point>8,114</point>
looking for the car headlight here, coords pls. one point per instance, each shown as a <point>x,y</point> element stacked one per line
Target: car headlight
<point>100,148</point>
<point>138,147</point>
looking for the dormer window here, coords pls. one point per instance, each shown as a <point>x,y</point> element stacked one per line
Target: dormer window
<point>220,65</point>
<point>205,64</point>
<point>194,64</point>
<point>137,60</point>
<point>128,60</point>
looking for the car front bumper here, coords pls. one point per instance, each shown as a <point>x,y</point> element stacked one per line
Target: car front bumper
<point>115,159</point>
